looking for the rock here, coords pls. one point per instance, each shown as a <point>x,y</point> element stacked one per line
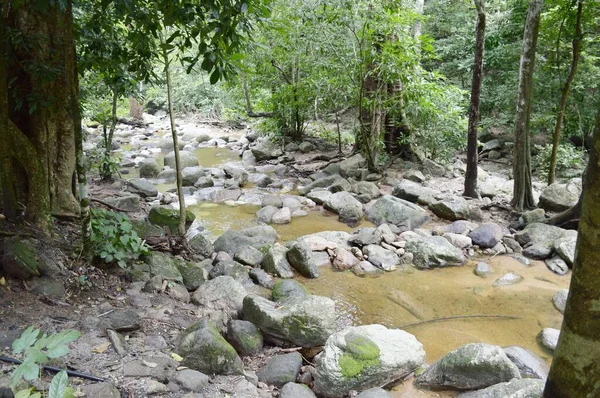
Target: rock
<point>557,198</point>
<point>275,262</point>
<point>460,227</point>
<point>261,278</point>
<point>125,202</point>
<point>375,392</point>
<point>169,217</point>
<point>282,216</point>
<point>460,241</point>
<point>288,289</point>
<point>344,260</point>
<point>161,370</point>
<point>432,168</point>
<point>306,321</point>
<point>414,192</point>
<point>538,232</point>
<point>565,248</point>
<point>244,337</point>
<point>483,269</point>
<point>281,369</point>
<point>292,203</point>
<point>324,182</point>
<point>20,259</point>
<point>124,321</point>
<point>306,147</point>
<point>557,265</point>
<point>530,364</point>
<point>364,268</point>
<point>548,338</point>
<point>432,251</point>
<point>178,292</point>
<point>100,390</point>
<point>231,241</point>
<point>142,187</point>
<point>451,209</point>
<point>469,367</point>
<point>512,244</point>
<point>168,175</point>
<point>525,388</point>
<point>164,265</point>
<point>508,279</point>
<point>204,182</point>
<point>398,212</point>
<point>221,294</point>
<point>201,245</point>
<point>349,167</point>
<point>206,351</point>
<point>560,300</point>
<point>149,168</point>
<point>272,200</point>
<point>536,215</point>
<point>265,151</point>
<point>486,235</point>
<point>191,380</point>
<point>414,175</point>
<point>249,256</point>
<point>186,159</point>
<point>266,214</point>
<point>248,158</point>
<point>191,175</point>
<point>292,147</point>
<point>362,357</point>
<point>366,189</point>
<point>365,236</point>
<point>47,287</point>
<point>319,196</point>
<point>154,387</point>
<point>300,257</point>
<point>264,181</point>
<point>295,390</point>
<point>493,145</point>
<point>380,257</point>
<point>349,209</point>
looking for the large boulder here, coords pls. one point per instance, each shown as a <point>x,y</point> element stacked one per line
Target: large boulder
<point>244,337</point>
<point>301,258</point>
<point>164,265</point>
<point>306,321</point>
<point>470,367</point>
<point>540,240</point>
<point>288,289</point>
<point>232,241</point>
<point>266,150</point>
<point>191,175</point>
<point>367,190</point>
<point>432,251</point>
<point>186,159</point>
<point>530,364</point>
<point>391,210</point>
<point>275,262</point>
<point>380,257</point>
<point>223,293</point>
<point>558,198</point>
<point>149,168</point>
<point>324,182</point>
<point>349,209</point>
<point>205,350</point>
<point>451,209</point>
<point>486,235</point>
<point>142,187</point>
<point>281,369</point>
<point>518,388</point>
<point>349,167</point>
<point>362,357</point>
<point>165,216</point>
<point>413,192</point>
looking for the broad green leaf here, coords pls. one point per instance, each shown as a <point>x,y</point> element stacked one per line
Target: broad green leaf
<point>28,337</point>
<point>58,345</point>
<point>28,370</point>
<point>26,393</point>
<point>58,385</point>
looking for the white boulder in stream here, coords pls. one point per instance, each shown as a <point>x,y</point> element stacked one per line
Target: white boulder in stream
<point>346,206</point>
<point>470,367</point>
<point>362,357</point>
<point>432,251</point>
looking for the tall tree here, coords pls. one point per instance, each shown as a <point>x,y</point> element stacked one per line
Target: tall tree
<point>523,190</point>
<point>575,370</point>
<point>565,91</point>
<point>472,157</point>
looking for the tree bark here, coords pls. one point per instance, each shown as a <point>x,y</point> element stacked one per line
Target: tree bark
<point>472,157</point>
<point>575,370</point>
<point>523,191</point>
<point>565,92</point>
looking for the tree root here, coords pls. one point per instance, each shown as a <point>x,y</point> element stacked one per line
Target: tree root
<point>456,317</point>
<point>115,208</point>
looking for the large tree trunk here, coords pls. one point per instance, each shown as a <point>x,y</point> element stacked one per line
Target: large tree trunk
<point>471,174</point>
<point>523,191</point>
<point>575,370</point>
<point>565,92</point>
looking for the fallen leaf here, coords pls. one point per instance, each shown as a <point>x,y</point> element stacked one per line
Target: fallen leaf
<point>150,364</point>
<point>176,357</point>
<point>2,281</point>
<point>101,348</point>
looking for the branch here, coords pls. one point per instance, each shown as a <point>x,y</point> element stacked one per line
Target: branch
<point>455,317</point>
<point>115,208</point>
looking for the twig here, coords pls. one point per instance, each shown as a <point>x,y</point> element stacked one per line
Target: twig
<point>115,208</point>
<point>455,317</point>
<point>105,313</point>
<point>53,369</point>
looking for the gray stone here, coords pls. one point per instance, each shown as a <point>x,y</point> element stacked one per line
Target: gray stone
<point>223,195</point>
<point>292,147</point>
<point>244,337</point>
<point>530,364</point>
<point>557,198</point>
<point>344,260</point>
<point>100,390</point>
<point>460,241</point>
<point>265,151</point>
<point>324,182</point>
<point>191,175</point>
<point>288,289</point>
<point>565,248</point>
<point>414,192</point>
<point>518,388</point>
<point>536,215</point>
<point>164,265</point>
<point>319,196</point>
<point>292,203</point>
<point>487,235</point>
<point>461,227</point>
<point>186,159</point>
<point>306,321</point>
<point>249,256</point>
<point>349,209</point>
<point>493,145</point>
<point>560,300</point>
<point>451,209</point>
<point>375,392</point>
<point>266,214</point>
<point>275,262</point>
<point>221,294</point>
<point>483,269</point>
<point>149,168</point>
<point>194,274</point>
<point>124,321</point>
<point>272,200</point>
<point>362,357</point>
<point>380,257</point>
<point>306,147</point>
<point>166,216</point>
<point>295,390</point>
<point>162,371</point>
<point>365,268</point>
<point>508,279</point>
<point>204,182</point>
<point>414,175</point>
<point>125,202</point>
<point>538,232</point>
<point>168,175</point>
<point>301,259</point>
<point>47,287</point>
<point>142,187</point>
<point>367,189</point>
<point>365,236</point>
<point>470,367</point>
<point>433,168</point>
<point>432,251</point>
<point>281,369</point>
<point>349,167</point>
<point>231,268</point>
<point>282,216</point>
<point>261,278</point>
<point>539,251</point>
<point>398,212</point>
<point>548,338</point>
<point>557,265</point>
<point>231,241</point>
<point>201,245</point>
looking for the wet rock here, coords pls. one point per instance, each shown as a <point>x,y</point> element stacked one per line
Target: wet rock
<point>282,216</point>
<point>100,390</point>
<point>295,390</point>
<point>548,338</point>
<point>557,198</point>
<point>149,168</point>
<point>244,337</point>
<point>206,351</point>
<point>191,380</point>
<point>470,367</point>
<point>451,209</point>
<point>275,262</point>
<point>221,294</point>
<point>344,260</point>
<point>142,187</point>
<point>375,392</point>
<point>125,202</point>
<point>530,364</point>
<point>186,159</point>
<point>560,300</point>
<point>565,248</point>
<point>362,357</point>
<point>508,279</point>
<point>47,287</point>
<point>365,268</point>
<point>380,257</point>
<point>346,206</point>
<point>460,241</point>
<point>20,259</point>
<point>414,175</point>
<point>249,256</point>
<point>487,235</point>
<point>164,265</point>
<point>525,388</point>
<point>557,265</point>
<point>306,321</point>
<point>168,217</point>
<point>398,212</point>
<point>483,269</point>
<point>301,259</point>
<point>414,192</point>
<point>261,278</point>
<point>432,251</point>
<point>281,369</point>
<point>288,289</point>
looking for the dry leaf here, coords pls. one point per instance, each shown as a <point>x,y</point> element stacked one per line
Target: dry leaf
<point>150,364</point>
<point>176,357</point>
<point>101,348</point>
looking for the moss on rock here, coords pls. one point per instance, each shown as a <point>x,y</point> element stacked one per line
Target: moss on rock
<point>360,354</point>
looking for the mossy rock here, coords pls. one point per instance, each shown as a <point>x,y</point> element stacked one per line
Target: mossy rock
<point>144,229</point>
<point>361,353</point>
<point>288,288</point>
<point>20,259</point>
<point>164,265</point>
<point>194,274</point>
<point>168,217</point>
<point>244,337</point>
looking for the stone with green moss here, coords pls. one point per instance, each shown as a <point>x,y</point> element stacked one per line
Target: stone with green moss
<point>244,337</point>
<point>20,259</point>
<point>360,354</point>
<point>288,288</point>
<point>145,230</point>
<point>168,217</point>
<point>194,274</point>
<point>276,263</point>
<point>164,265</point>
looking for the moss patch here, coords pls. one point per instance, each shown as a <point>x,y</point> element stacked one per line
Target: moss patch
<point>360,353</point>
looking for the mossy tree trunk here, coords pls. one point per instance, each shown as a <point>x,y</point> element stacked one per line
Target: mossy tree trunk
<point>523,191</point>
<point>472,158</point>
<point>575,370</point>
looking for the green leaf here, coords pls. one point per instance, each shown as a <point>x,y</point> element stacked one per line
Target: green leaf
<point>58,385</point>
<point>26,393</point>
<point>28,370</point>
<point>28,337</point>
<point>215,76</point>
<point>58,345</point>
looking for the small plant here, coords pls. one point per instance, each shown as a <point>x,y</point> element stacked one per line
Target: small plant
<point>114,239</point>
<point>568,158</point>
<point>106,164</point>
<point>38,349</point>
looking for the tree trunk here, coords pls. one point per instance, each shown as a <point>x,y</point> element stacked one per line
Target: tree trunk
<point>523,191</point>
<point>565,92</point>
<point>471,174</point>
<point>167,63</point>
<point>575,370</point>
